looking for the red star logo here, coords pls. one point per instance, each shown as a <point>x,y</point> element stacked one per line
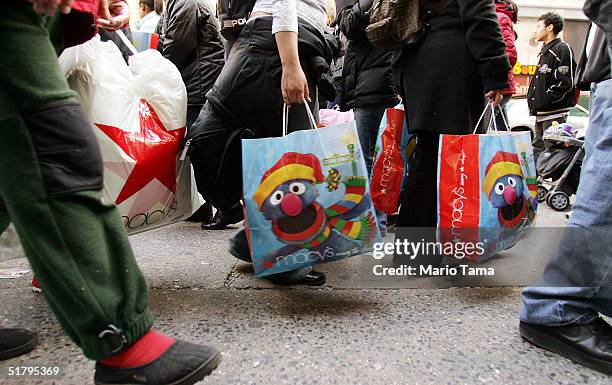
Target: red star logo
<point>152,147</point>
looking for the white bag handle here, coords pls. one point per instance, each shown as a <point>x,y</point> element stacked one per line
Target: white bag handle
<point>286,107</point>
<point>493,120</point>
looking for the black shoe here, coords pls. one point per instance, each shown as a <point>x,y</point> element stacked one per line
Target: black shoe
<point>225,218</point>
<point>204,214</point>
<point>238,246</point>
<point>183,364</point>
<point>314,278</point>
<point>15,342</point>
<point>589,345</point>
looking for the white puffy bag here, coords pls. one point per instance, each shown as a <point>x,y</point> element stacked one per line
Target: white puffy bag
<point>139,114</point>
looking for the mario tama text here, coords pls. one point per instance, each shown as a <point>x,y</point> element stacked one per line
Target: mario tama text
<point>430,270</point>
<point>412,250</point>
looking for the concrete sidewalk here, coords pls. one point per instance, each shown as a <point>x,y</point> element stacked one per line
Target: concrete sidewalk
<point>356,330</point>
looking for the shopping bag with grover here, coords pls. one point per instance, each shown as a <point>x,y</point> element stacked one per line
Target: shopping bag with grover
<point>307,199</point>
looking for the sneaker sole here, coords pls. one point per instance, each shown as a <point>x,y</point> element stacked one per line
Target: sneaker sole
<point>197,375</point>
<point>19,350</point>
<point>553,344</point>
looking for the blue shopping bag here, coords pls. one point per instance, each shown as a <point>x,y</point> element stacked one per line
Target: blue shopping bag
<point>486,191</point>
<point>307,198</point>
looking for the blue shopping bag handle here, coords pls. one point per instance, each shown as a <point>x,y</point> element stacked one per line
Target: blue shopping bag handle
<point>286,107</point>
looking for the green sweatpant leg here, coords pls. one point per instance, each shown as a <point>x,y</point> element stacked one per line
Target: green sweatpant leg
<point>76,244</point>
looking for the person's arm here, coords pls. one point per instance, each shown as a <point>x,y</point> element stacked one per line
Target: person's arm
<point>180,33</point>
<point>563,76</point>
<point>353,20</point>
<point>508,35</point>
<point>294,85</point>
<point>486,45</point>
<point>119,16</point>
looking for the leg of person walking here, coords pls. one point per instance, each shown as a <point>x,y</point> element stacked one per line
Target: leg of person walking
<point>418,213</point>
<point>561,311</point>
<point>538,142</point>
<point>50,183</point>
<point>368,120</point>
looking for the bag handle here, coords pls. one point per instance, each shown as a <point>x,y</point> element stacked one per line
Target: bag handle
<point>492,120</point>
<point>126,41</point>
<point>286,107</point>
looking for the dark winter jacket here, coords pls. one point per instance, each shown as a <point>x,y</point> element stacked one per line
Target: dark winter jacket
<point>367,77</point>
<point>189,38</point>
<point>246,101</point>
<point>595,68</point>
<point>552,88</point>
<point>445,74</point>
<point>600,12</point>
<point>505,16</point>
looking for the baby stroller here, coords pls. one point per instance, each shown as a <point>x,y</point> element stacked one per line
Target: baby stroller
<point>560,164</point>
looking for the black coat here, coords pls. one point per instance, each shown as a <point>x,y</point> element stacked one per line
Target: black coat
<point>596,67</point>
<point>552,88</point>
<point>367,77</point>
<point>189,38</point>
<point>444,75</point>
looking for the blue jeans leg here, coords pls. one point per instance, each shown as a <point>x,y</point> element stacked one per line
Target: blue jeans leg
<point>576,284</point>
<point>368,123</point>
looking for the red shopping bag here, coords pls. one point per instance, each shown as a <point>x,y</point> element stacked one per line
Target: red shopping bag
<point>389,163</point>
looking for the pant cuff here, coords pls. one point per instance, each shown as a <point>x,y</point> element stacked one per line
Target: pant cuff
<point>116,337</point>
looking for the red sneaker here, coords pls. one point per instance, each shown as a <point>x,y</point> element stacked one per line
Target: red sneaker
<point>36,286</point>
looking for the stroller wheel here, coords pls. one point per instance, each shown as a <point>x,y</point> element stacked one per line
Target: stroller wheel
<point>558,201</point>
<point>542,191</point>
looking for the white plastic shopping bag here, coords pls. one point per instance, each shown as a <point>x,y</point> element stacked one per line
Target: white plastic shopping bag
<point>139,113</point>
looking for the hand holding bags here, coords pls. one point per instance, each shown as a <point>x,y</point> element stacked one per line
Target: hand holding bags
<point>307,198</point>
<point>139,113</point>
<point>486,190</point>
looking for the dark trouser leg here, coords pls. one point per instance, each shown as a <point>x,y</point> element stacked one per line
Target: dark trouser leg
<point>419,203</point>
<point>538,143</point>
<point>50,181</point>
<point>418,213</point>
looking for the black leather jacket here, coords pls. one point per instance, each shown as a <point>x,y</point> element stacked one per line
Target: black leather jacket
<point>189,38</point>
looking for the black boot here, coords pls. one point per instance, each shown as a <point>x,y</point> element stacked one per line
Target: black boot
<point>225,218</point>
<point>589,345</point>
<point>15,342</point>
<point>183,364</point>
<point>204,214</point>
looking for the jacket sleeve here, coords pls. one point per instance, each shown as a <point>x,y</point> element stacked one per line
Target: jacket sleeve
<point>600,12</point>
<point>353,21</point>
<point>508,35</point>
<point>485,42</point>
<point>180,33</point>
<point>563,75</point>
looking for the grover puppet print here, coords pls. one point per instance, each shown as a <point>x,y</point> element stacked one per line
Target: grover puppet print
<point>503,185</point>
<point>287,197</point>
